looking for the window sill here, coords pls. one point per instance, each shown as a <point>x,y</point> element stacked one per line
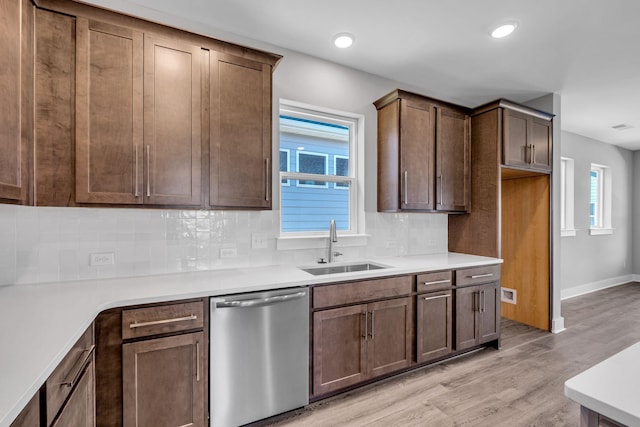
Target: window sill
<point>600,231</point>
<point>314,242</point>
<point>568,232</point>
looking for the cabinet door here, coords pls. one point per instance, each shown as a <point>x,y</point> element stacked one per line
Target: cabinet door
<point>515,144</point>
<point>240,156</point>
<point>172,117</point>
<point>163,381</point>
<point>389,336</point>
<point>489,312</point>
<point>30,415</point>
<point>417,160</point>
<point>453,161</point>
<point>434,325</point>
<point>79,410</point>
<point>109,114</point>
<point>16,92</point>
<point>467,327</point>
<point>339,348</point>
<point>541,137</point>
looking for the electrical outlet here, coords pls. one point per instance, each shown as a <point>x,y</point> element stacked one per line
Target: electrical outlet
<point>104,258</point>
<point>258,241</point>
<point>228,252</point>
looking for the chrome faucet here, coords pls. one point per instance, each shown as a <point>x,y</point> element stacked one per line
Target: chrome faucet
<point>333,238</point>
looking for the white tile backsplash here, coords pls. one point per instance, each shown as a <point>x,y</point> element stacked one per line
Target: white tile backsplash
<point>42,244</point>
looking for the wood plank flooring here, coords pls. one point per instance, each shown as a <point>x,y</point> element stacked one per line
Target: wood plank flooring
<point>522,384</point>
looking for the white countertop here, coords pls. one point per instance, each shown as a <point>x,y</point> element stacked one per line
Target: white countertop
<point>40,323</point>
<point>611,388</point>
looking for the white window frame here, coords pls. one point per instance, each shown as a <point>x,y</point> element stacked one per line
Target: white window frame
<point>288,151</point>
<point>603,208</point>
<point>355,122</point>
<point>311,176</point>
<point>335,170</point>
<point>567,227</point>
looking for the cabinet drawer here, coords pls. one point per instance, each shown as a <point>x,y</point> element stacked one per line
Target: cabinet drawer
<point>68,373</point>
<point>477,275</point>
<point>162,319</point>
<point>429,282</point>
<point>356,292</point>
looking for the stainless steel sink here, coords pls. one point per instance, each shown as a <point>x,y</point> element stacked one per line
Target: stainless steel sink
<point>343,268</point>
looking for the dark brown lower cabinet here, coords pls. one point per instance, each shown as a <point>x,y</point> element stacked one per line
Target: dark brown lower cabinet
<point>356,343</point>
<point>79,411</point>
<point>434,325</point>
<point>477,315</point>
<point>30,415</point>
<point>163,381</point>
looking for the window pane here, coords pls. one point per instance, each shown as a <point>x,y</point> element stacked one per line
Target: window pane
<point>593,202</point>
<point>311,208</point>
<point>284,161</point>
<point>311,163</point>
<point>342,169</point>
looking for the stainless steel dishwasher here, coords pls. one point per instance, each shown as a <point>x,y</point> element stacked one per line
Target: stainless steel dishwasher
<point>259,355</point>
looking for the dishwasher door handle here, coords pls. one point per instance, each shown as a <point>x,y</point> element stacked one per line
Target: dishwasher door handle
<point>259,302</point>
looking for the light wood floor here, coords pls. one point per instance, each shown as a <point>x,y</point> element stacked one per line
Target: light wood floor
<point>522,384</point>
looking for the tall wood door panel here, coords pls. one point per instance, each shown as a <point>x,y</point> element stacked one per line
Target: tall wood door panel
<point>434,325</point>
<point>339,348</point>
<point>16,93</point>
<point>172,122</point>
<point>453,163</point>
<point>164,382</point>
<point>389,340</point>
<point>240,132</point>
<point>489,313</point>
<point>79,410</point>
<point>109,115</point>
<point>417,160</point>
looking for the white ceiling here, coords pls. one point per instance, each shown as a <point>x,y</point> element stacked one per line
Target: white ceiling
<point>588,51</point>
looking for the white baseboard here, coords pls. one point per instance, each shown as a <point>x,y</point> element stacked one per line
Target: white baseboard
<point>557,325</point>
<point>597,286</point>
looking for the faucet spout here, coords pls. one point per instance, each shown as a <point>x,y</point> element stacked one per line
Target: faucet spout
<point>333,238</point>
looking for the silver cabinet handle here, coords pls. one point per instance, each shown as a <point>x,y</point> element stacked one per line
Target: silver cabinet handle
<point>533,153</point>
<point>437,297</point>
<point>259,302</point>
<point>483,302</point>
<point>82,361</point>
<point>437,282</point>
<point>267,180</point>
<point>480,276</point>
<point>197,360</point>
<point>136,194</point>
<point>406,188</point>
<point>366,324</point>
<point>163,321</point>
<point>373,322</point>
<point>148,172</point>
<point>440,195</point>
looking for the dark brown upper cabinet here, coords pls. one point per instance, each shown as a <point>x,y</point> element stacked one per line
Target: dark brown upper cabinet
<point>132,113</point>
<point>527,138</point>
<point>423,154</point>
<point>109,114</point>
<point>16,95</point>
<point>240,132</point>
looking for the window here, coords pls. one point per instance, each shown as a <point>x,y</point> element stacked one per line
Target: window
<point>341,168</point>
<point>284,164</point>
<point>566,197</point>
<point>320,183</point>
<point>600,200</point>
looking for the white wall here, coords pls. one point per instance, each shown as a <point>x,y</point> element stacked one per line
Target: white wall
<point>53,244</point>
<point>594,262</point>
<point>636,214</point>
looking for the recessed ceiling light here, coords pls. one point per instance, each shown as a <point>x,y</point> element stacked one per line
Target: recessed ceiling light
<point>343,40</point>
<point>622,126</point>
<point>504,30</point>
